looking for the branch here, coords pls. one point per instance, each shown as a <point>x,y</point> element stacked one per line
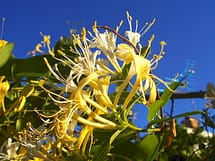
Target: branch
<point>188,95</point>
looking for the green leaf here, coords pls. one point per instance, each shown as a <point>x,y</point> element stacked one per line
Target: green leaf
<point>165,96</point>
<point>6,53</point>
<point>33,67</point>
<point>102,151</point>
<point>149,148</point>
<point>30,68</point>
<point>208,121</point>
<point>19,124</point>
<point>126,135</point>
<point>115,135</point>
<point>154,108</point>
<point>124,96</point>
<point>106,146</point>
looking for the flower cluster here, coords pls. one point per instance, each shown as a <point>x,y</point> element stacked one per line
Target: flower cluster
<point>99,65</point>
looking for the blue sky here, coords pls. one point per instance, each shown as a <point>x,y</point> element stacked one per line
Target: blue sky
<point>188,27</point>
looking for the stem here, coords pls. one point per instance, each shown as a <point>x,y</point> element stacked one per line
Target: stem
<point>199,94</point>
<point>120,36</point>
<point>172,107</point>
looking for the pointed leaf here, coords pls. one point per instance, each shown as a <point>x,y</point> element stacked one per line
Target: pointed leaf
<point>32,67</point>
<point>6,53</point>
<point>149,148</point>
<point>124,96</point>
<point>208,121</point>
<point>102,151</point>
<point>165,96</point>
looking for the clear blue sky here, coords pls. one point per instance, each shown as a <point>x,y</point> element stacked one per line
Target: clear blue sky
<point>188,27</point>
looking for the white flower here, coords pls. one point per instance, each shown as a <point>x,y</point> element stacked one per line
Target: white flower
<point>11,150</point>
<point>106,42</point>
<point>134,36</point>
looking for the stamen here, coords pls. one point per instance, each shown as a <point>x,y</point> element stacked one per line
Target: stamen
<point>162,43</point>
<point>118,27</point>
<point>47,116</point>
<point>2,28</point>
<point>149,45</point>
<point>136,26</point>
<point>94,27</point>
<point>52,71</point>
<point>143,28</point>
<point>129,18</point>
<point>120,36</point>
<point>148,27</point>
<point>163,82</point>
<point>83,34</point>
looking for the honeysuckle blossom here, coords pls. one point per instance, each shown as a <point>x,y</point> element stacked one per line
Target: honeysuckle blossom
<point>11,150</point>
<point>4,87</point>
<point>84,96</point>
<point>133,35</point>
<point>141,68</point>
<point>3,43</point>
<point>106,42</point>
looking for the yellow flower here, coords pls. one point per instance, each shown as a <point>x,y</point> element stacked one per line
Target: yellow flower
<point>2,43</point>
<point>133,35</point>
<point>88,97</point>
<point>101,93</point>
<point>65,128</point>
<point>141,68</point>
<point>79,96</point>
<point>86,135</point>
<point>20,102</point>
<point>4,87</point>
<point>125,52</point>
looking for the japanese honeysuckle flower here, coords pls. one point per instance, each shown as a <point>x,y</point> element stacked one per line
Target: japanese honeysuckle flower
<point>103,69</point>
<point>86,135</point>
<point>88,59</point>
<point>81,101</point>
<point>4,87</point>
<point>101,92</point>
<point>134,36</point>
<point>125,52</point>
<point>141,68</point>
<point>11,150</point>
<point>3,43</point>
<point>65,128</point>
<point>84,95</point>
<point>106,42</point>
<point>81,98</point>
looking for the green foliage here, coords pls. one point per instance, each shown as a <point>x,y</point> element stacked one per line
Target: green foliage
<point>30,68</point>
<point>6,53</point>
<point>158,104</point>
<point>193,146</point>
<point>149,147</point>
